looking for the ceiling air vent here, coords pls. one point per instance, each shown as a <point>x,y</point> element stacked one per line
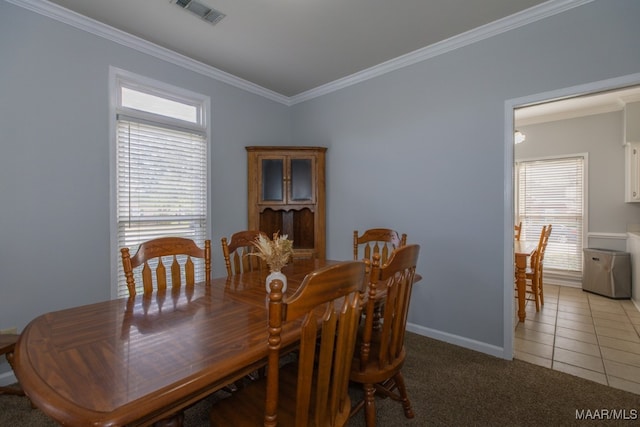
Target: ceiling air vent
<point>203,11</point>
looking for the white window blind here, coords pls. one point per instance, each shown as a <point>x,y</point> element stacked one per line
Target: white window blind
<point>551,191</point>
<point>161,170</point>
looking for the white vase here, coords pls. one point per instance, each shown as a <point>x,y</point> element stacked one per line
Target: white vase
<point>276,275</point>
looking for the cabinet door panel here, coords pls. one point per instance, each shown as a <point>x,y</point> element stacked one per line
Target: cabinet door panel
<point>272,222</point>
<point>303,225</point>
<point>272,180</point>
<point>301,180</point>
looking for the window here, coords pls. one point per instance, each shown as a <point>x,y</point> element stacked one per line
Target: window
<point>551,191</point>
<point>161,165</point>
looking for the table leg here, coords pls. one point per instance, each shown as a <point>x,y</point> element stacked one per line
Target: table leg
<point>521,283</point>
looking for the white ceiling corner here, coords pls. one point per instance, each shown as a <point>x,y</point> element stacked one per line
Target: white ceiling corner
<point>290,52</point>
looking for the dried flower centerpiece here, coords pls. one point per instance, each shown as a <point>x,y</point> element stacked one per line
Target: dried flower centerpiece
<point>276,253</point>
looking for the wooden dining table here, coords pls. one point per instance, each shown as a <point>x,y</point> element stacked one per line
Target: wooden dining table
<point>523,250</point>
<point>141,360</point>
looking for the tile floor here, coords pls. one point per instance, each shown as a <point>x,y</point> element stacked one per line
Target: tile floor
<point>583,334</point>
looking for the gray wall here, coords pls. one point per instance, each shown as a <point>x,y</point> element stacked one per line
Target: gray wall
<point>422,150</point>
<point>601,136</point>
<point>54,162</point>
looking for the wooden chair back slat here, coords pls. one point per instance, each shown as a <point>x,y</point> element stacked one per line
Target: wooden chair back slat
<point>175,271</point>
<point>305,370</point>
<point>189,270</point>
<point>147,280</point>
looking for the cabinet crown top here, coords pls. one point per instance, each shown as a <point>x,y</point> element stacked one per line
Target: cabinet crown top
<point>283,147</point>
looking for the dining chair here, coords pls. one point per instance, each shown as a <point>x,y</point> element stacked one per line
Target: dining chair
<point>541,263</point>
<point>376,240</point>
<point>380,352</point>
<point>179,252</point>
<point>150,255</point>
<point>517,229</point>
<point>7,346</point>
<point>237,252</point>
<point>535,284</point>
<point>313,389</point>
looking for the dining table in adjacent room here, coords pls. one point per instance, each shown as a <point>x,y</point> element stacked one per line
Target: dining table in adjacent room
<point>144,359</point>
<point>522,250</point>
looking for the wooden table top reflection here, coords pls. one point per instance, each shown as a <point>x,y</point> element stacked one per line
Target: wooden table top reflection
<point>522,250</point>
<point>134,361</point>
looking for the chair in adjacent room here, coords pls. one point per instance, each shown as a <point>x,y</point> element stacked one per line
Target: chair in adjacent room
<point>376,241</point>
<point>541,264</point>
<point>313,389</point>
<point>7,346</point>
<point>517,231</point>
<point>380,352</point>
<point>535,284</point>
<point>236,252</point>
<point>150,255</point>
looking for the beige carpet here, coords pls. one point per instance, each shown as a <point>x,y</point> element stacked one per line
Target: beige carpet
<point>453,386</point>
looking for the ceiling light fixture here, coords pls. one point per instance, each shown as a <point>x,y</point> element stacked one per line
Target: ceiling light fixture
<point>203,11</point>
<point>519,137</point>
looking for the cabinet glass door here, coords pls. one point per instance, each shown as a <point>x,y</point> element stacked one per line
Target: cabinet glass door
<point>301,180</point>
<point>272,180</point>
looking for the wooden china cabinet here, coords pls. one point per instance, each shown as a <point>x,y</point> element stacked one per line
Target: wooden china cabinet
<point>287,195</point>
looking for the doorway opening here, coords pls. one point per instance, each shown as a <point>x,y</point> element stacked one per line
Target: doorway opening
<point>575,332</point>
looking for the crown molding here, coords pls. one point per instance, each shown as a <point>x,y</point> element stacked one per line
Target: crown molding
<point>544,10</point>
<point>99,29</point>
<point>61,14</point>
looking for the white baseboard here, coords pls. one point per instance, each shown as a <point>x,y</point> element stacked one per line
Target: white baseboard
<point>459,341</point>
<point>483,347</point>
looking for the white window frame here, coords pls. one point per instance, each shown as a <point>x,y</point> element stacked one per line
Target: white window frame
<point>570,275</point>
<point>117,79</point>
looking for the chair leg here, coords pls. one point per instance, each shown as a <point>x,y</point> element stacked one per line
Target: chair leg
<point>397,383</point>
<point>10,390</point>
<point>369,405</point>
<point>536,293</point>
<point>404,397</point>
<point>541,289</point>
<point>387,388</point>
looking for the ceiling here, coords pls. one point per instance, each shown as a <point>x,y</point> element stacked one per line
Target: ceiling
<point>293,46</point>
<point>578,106</point>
